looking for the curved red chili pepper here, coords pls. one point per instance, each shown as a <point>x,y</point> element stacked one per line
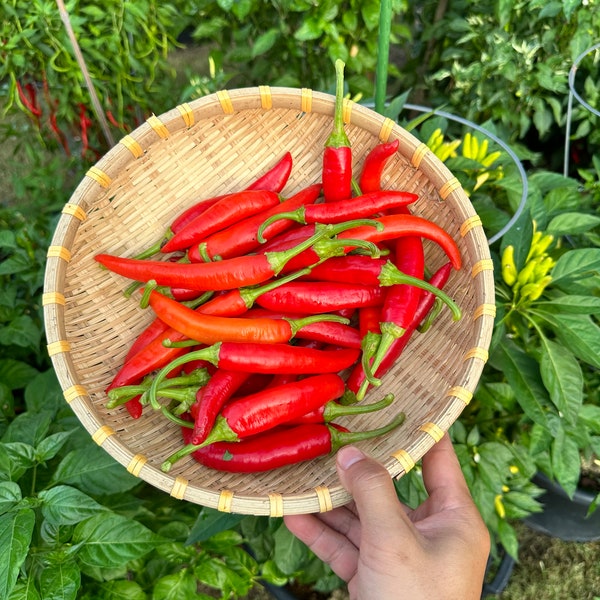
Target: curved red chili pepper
<point>150,333</point>
<point>228,210</point>
<point>242,237</point>
<point>403,225</point>
<point>344,210</point>
<point>211,398</point>
<point>375,161</point>
<point>281,447</point>
<point>337,155</point>
<point>210,329</point>
<point>356,379</point>
<point>320,297</point>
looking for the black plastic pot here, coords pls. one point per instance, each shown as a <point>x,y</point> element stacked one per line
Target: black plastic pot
<point>563,517</point>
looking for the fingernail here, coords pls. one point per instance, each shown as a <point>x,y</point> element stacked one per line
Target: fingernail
<point>348,455</point>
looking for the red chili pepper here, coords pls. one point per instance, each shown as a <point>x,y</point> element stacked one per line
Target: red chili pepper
<point>150,333</point>
<point>356,379</point>
<point>283,446</point>
<point>265,410</point>
<point>276,177</point>
<point>375,161</point>
<point>351,268</point>
<point>321,297</point>
<point>210,329</point>
<point>337,155</point>
<point>242,237</point>
<point>211,398</point>
<point>228,210</point>
<point>369,318</point>
<point>266,358</point>
<point>134,407</point>
<point>226,274</point>
<point>344,210</point>
<point>400,305</point>
<point>402,225</point>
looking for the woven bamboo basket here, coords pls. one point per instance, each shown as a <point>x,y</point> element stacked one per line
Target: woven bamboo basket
<point>217,144</point>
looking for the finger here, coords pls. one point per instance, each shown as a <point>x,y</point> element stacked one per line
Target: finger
<point>328,544</point>
<point>345,521</point>
<point>374,494</point>
<point>442,474</point>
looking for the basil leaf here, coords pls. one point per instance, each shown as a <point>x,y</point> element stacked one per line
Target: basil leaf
<point>16,529</point>
<point>109,540</point>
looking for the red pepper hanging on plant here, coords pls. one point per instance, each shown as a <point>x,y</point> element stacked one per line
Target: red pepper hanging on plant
<point>337,156</point>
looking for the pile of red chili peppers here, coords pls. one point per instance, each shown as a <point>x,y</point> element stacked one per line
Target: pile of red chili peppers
<point>274,315</point>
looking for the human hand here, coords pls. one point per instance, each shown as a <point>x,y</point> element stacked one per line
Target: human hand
<point>385,550</point>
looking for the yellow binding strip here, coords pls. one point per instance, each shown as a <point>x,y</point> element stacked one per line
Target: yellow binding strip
<point>179,487</point>
<point>187,114</point>
<point>58,347</point>
<point>75,211</point>
<point>225,101</point>
<point>461,393</point>
<point>276,505</point>
<point>99,176</point>
<point>59,252</point>
<point>136,463</point>
<point>450,186</point>
<point>477,352</point>
<point>386,129</point>
<point>324,497</point>
<point>75,391</point>
<point>307,96</point>
<point>418,155</point>
<point>102,433</point>
<point>53,298</point>
<point>266,100</point>
<point>435,431</point>
<point>347,110</point>
<point>132,145</point>
<point>487,310</point>
<point>405,460</point>
<point>470,223</point>
<point>159,127</point>
<point>225,500</point>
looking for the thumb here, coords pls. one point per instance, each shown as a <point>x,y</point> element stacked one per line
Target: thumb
<point>373,491</point>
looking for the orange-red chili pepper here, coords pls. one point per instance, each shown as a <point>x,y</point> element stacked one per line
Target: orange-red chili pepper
<point>210,329</point>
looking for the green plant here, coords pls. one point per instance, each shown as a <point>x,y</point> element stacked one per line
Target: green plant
<point>508,62</point>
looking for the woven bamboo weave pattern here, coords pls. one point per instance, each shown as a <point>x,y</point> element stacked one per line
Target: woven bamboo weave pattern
<point>218,144</point>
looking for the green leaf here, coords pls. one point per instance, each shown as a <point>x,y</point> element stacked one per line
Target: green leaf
<point>289,552</point>
<point>177,586</point>
<point>570,304</point>
<point>16,530</point>
<point>16,459</point>
<point>60,581</point>
<point>94,471</point>
<point>264,42</point>
<point>575,264</point>
<point>21,331</point>
<point>16,374</point>
<point>563,378</point>
<point>120,589</point>
<point>571,223</point>
<point>507,536</point>
<point>24,590</point>
<point>65,505</point>
<point>10,495</point>
<point>210,522</point>
<point>581,335</point>
<point>49,447</point>
<point>566,461</point>
<point>29,428</point>
<point>590,417</point>
<point>108,540</point>
<point>43,393</point>
<point>522,373</point>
